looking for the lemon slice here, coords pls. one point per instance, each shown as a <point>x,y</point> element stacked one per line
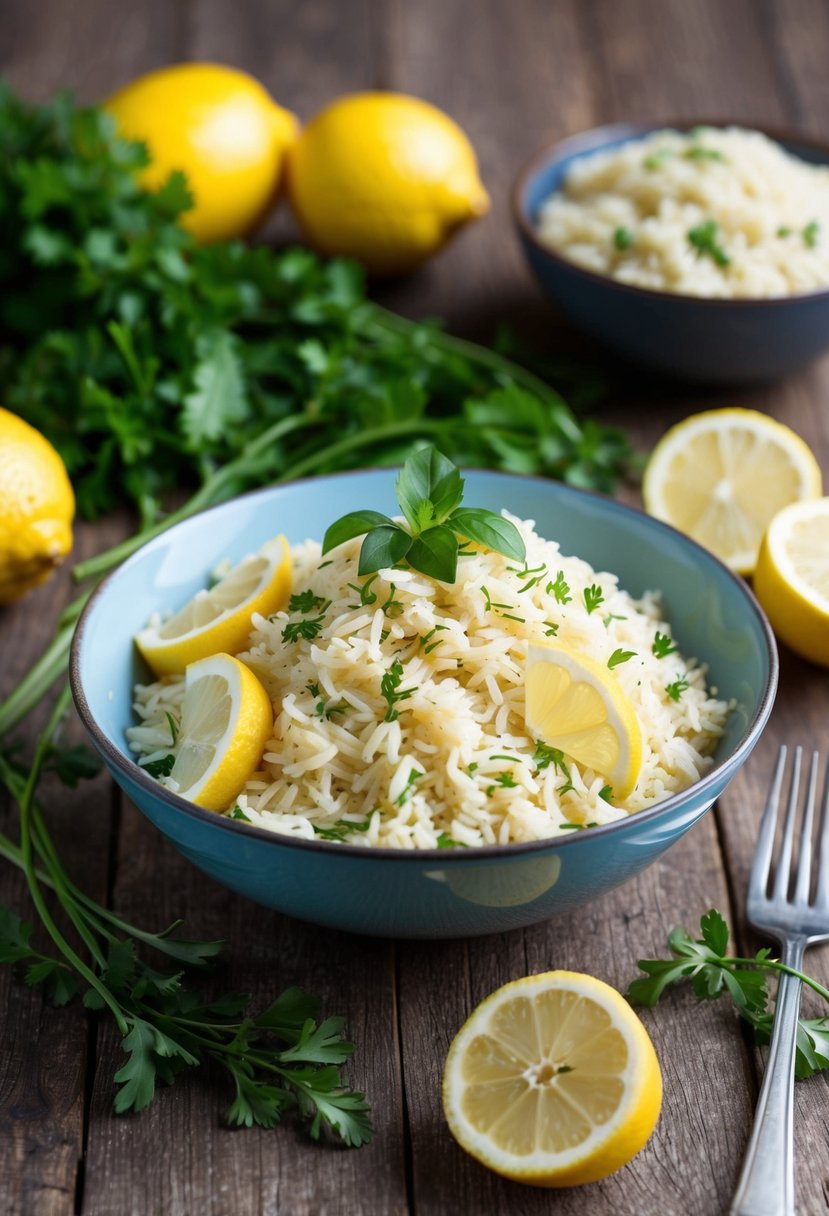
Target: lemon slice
<point>553,1081</point>
<point>722,475</point>
<point>218,620</point>
<point>226,721</point>
<point>792,578</point>
<point>578,706</point>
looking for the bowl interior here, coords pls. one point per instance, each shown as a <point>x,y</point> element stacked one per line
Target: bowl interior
<point>712,614</point>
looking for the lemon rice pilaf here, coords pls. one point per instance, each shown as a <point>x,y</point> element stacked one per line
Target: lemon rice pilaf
<point>400,701</point>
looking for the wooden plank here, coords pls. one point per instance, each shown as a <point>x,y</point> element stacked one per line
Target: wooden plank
<point>44,1058</point>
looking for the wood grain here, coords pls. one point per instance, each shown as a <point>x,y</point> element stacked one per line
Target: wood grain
<point>515,78</point>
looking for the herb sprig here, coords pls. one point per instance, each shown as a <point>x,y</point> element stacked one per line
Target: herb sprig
<point>712,973</point>
<point>282,1060</point>
<point>704,239</point>
<point>429,490</point>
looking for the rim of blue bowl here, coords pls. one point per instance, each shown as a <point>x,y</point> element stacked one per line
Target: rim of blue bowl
<point>595,139</point>
<point>449,856</point>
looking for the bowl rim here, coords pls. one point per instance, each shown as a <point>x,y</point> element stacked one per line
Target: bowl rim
<point>595,139</point>
<point>452,856</point>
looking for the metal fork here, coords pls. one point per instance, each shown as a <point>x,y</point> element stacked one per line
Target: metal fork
<point>766,1186</point>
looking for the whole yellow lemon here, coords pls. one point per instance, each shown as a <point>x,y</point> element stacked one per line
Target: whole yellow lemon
<point>36,508</point>
<point>222,129</point>
<point>384,178</point>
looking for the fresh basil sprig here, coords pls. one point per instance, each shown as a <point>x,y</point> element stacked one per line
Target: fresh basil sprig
<point>429,490</point>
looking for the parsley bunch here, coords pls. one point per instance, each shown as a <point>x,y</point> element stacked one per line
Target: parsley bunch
<point>712,973</point>
<point>150,362</point>
<point>281,1060</point>
<point>429,489</point>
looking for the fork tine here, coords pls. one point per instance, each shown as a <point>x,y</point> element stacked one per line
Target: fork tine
<point>804,861</point>
<point>784,864</point>
<point>822,892</point>
<point>765,838</point>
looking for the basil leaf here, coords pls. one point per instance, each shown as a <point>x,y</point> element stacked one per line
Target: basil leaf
<point>486,528</point>
<point>383,546</point>
<point>427,476</point>
<point>435,552</point>
<point>357,523</point>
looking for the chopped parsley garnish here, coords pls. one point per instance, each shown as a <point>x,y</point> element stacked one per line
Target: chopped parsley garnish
<point>703,238</point>
<point>698,152</point>
<point>559,588</point>
<point>238,813</point>
<point>392,692</point>
<point>593,596</point>
<point>504,780</point>
<point>784,231</point>
<point>511,759</point>
<point>161,767</point>
<point>367,596</point>
<point>623,238</point>
<point>305,601</point>
<point>544,756</point>
<point>446,842</point>
<point>171,722</point>
<point>341,829</point>
<point>657,159</point>
<point>551,630</point>
<point>576,827</point>
<point>810,234</point>
<point>606,792</point>
<point>612,616</point>
<point>472,767</point>
<point>392,607</point>
<point>620,656</point>
<point>676,689</point>
<point>407,788</point>
<point>662,645</point>
<point>324,710</point>
<point>306,629</point>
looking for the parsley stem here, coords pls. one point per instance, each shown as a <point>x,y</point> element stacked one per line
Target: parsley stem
<point>25,805</point>
<point>40,678</point>
<point>773,965</point>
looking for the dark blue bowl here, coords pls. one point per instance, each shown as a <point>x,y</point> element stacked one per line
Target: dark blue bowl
<point>427,892</point>
<point>714,341</point>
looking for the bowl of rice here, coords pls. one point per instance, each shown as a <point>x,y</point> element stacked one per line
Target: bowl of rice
<point>443,816</point>
<point>698,249</point>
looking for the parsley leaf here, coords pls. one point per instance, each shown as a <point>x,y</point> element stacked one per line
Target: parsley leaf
<point>593,596</point>
<point>677,688</point>
<point>662,645</point>
<point>703,238</point>
<point>620,656</point>
<point>623,238</point>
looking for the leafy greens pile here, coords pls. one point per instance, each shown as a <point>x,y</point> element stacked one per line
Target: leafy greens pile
<point>150,361</point>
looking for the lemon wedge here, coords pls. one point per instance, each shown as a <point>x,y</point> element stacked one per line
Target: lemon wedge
<point>578,706</point>
<point>792,578</point>
<point>721,476</point>
<point>553,1081</point>
<point>226,721</point>
<point>218,620</point>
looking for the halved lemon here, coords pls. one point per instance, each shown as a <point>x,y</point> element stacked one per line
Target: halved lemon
<point>553,1081</point>
<point>226,721</point>
<point>218,620</point>
<point>722,475</point>
<point>792,578</point>
<point>578,706</point>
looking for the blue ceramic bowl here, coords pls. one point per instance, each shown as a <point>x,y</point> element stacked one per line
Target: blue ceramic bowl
<point>447,893</point>
<point>713,341</point>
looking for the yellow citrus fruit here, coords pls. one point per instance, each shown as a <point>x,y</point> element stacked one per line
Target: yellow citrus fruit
<point>226,721</point>
<point>553,1081</point>
<point>36,508</point>
<point>721,476</point>
<point>384,178</point>
<point>218,619</point>
<point>575,704</point>
<point>218,126</point>
<point>791,580</point>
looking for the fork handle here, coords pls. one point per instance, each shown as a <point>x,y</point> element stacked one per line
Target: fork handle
<point>766,1186</point>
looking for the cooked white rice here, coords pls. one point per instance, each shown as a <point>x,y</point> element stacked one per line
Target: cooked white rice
<point>442,771</point>
<point>771,212</point>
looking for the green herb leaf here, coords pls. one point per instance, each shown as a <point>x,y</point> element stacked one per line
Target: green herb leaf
<point>435,552</point>
<point>488,529</point>
<point>429,488</point>
<point>811,234</point>
<point>662,645</point>
<point>218,400</point>
<point>703,239</point>
<point>623,238</point>
<point>356,523</point>
<point>593,596</point>
<point>620,656</point>
<point>384,546</point>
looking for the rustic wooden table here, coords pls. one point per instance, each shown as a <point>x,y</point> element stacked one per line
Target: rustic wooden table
<point>516,77</point>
